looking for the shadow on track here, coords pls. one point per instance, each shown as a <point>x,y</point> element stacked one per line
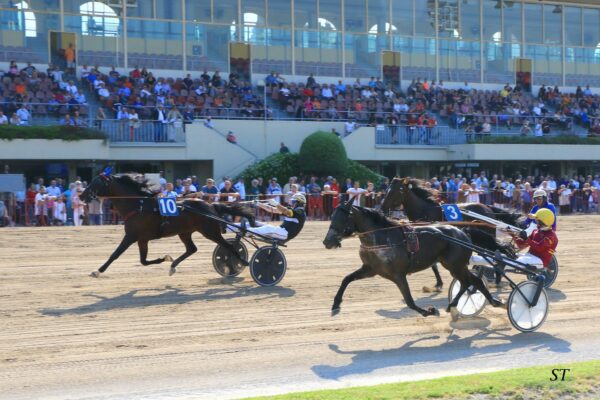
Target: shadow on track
<point>169,295</point>
<point>455,348</point>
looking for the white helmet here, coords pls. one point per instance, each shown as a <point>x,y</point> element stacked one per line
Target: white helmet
<point>540,193</point>
<point>299,197</point>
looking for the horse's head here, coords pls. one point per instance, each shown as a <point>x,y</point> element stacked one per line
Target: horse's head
<point>98,187</point>
<point>341,227</point>
<point>396,194</point>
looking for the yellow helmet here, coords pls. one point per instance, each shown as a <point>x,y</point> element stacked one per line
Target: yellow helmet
<point>545,216</point>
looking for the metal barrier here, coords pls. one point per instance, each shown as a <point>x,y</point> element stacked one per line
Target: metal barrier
<point>416,135</point>
<point>14,212</point>
<point>127,131</point>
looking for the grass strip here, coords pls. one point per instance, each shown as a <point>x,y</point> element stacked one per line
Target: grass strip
<point>583,380</point>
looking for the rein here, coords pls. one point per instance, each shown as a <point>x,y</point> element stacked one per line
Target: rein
<point>453,223</point>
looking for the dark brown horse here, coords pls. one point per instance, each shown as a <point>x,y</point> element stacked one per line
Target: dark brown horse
<point>421,203</point>
<point>138,205</point>
<point>383,252</point>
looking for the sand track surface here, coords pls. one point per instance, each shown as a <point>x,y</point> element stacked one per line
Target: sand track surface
<point>138,333</point>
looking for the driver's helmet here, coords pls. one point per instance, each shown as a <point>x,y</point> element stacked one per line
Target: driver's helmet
<point>540,193</point>
<point>544,218</point>
<point>298,198</point>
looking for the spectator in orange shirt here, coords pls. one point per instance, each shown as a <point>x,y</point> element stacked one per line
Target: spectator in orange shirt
<point>70,56</point>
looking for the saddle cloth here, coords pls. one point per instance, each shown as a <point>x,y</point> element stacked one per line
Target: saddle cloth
<point>411,239</point>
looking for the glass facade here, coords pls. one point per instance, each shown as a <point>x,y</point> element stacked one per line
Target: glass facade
<point>453,40</point>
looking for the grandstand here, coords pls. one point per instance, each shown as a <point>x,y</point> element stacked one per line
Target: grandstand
<point>424,80</point>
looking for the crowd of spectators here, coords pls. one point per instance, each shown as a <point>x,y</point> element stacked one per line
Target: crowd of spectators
<point>27,93</point>
<point>58,203</point>
<point>167,99</point>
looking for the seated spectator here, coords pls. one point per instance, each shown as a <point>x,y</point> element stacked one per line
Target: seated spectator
<point>231,138</point>
<point>24,115</point>
<point>228,193</point>
<point>326,92</point>
<point>66,120</point>
<point>3,118</point>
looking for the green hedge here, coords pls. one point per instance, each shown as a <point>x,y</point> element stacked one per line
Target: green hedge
<point>509,139</point>
<point>69,133</point>
<point>278,165</point>
<point>322,154</point>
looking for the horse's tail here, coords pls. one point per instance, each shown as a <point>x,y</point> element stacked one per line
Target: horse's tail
<point>511,217</point>
<point>236,210</point>
<point>488,241</point>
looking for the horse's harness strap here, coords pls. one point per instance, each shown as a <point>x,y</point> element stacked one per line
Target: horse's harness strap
<point>140,209</point>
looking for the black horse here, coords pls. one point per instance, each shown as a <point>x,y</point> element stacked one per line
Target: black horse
<point>383,253</point>
<point>138,205</point>
<point>421,204</point>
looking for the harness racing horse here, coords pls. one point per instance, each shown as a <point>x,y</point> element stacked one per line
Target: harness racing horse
<point>421,203</point>
<point>138,206</point>
<point>383,253</point>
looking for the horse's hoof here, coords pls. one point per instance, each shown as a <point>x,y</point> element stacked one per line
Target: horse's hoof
<point>335,311</point>
<point>438,289</point>
<point>95,274</point>
<point>433,311</point>
<point>454,314</point>
<point>168,258</point>
<point>172,271</point>
<point>499,303</point>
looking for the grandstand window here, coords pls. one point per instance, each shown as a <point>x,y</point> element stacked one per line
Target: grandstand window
<point>492,18</point>
<point>591,27</point>
<point>24,20</point>
<point>533,23</point>
<point>279,13</point>
<point>553,24</point>
<point>331,11</point>
<point>378,15</point>
<point>253,12</point>
<point>374,43</point>
<point>225,11</point>
<point>355,12</point>
<point>167,9</point>
<point>512,21</point>
<point>98,19</point>
<point>573,22</point>
<point>448,16</point>
<point>198,10</point>
<point>305,14</point>
<point>402,16</point>
<point>249,32</point>
<point>425,18</point>
<point>470,23</point>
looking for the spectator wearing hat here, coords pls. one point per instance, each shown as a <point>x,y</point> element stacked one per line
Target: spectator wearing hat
<point>208,192</point>
<point>78,205</point>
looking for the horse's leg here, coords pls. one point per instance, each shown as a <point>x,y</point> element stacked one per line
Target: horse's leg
<point>402,283</point>
<point>143,245</point>
<point>363,272</point>
<point>439,284</point>
<point>476,281</point>
<point>124,245</point>
<point>190,248</point>
<point>224,243</point>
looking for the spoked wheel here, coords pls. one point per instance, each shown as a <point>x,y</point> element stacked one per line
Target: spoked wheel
<point>550,273</point>
<point>521,315</point>
<point>225,263</point>
<point>471,303</point>
<point>268,266</point>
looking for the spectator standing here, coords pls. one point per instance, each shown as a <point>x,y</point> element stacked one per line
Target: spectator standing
<point>228,193</point>
<point>78,205</point>
<point>240,188</point>
<point>41,207</point>
<point>349,127</point>
<point>329,196</point>
<point>283,148</point>
<point>356,193</point>
<point>209,192</point>
<point>231,137</point>
<point>95,212</point>
<point>564,199</point>
<point>160,118</point>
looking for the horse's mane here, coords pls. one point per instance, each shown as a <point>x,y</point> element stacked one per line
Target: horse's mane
<point>139,187</point>
<point>423,192</point>
<point>378,217</point>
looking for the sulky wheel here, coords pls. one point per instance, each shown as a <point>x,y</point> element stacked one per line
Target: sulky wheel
<point>550,273</point>
<point>521,315</point>
<point>471,303</point>
<point>268,266</point>
<point>225,263</point>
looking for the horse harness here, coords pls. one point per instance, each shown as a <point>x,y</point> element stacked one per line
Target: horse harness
<point>410,241</point>
<point>144,207</point>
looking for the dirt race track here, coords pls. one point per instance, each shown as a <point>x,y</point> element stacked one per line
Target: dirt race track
<point>138,333</point>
